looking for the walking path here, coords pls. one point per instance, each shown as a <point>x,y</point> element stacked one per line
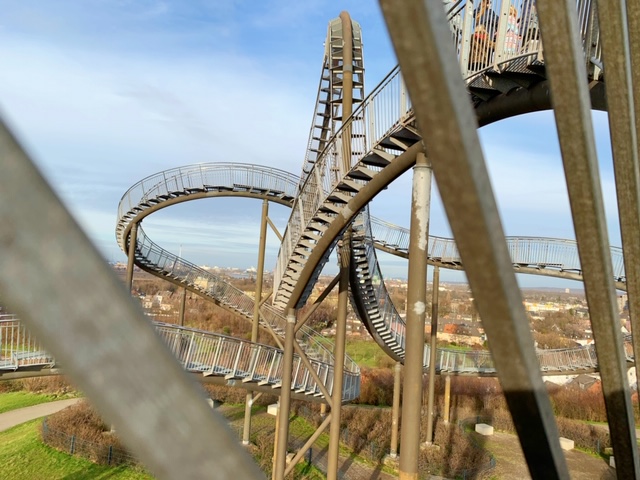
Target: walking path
<point>21,415</point>
<point>511,465</point>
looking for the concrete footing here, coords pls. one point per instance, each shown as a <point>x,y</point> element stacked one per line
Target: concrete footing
<point>566,444</point>
<point>484,429</point>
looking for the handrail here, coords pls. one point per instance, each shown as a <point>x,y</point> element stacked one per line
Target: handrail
<point>170,183</point>
<point>377,311</point>
<point>198,350</point>
<point>217,354</point>
<point>214,286</point>
<point>544,252</point>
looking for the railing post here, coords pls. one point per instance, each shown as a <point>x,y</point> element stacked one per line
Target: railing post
<point>183,301</point>
<point>395,413</point>
<point>285,399</point>
<point>339,351</point>
<point>465,38</point>
<point>447,398</point>
<point>246,432</point>
<point>432,356</point>
<point>499,51</point>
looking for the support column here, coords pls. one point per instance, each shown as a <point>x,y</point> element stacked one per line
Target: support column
<point>432,353</point>
<point>395,413</point>
<point>183,303</point>
<point>133,237</point>
<point>246,432</point>
<point>275,443</point>
<point>338,357</point>
<point>323,410</point>
<point>447,398</point>
<point>285,398</point>
<point>416,302</point>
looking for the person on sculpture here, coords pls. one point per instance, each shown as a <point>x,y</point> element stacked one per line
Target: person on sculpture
<point>512,37</point>
<point>484,35</point>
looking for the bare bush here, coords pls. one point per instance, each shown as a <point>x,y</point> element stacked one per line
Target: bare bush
<point>79,429</point>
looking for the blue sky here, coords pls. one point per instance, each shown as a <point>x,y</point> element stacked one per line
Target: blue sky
<point>104,93</point>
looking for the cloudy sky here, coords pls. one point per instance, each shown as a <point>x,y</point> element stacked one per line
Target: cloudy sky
<point>105,92</point>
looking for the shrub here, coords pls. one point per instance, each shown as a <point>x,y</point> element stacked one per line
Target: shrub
<point>79,429</point>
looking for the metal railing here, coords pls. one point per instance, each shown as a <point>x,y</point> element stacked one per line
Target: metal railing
<point>215,287</point>
<point>198,351</point>
<point>536,252</point>
<point>552,361</point>
<point>18,348</point>
<point>205,177</point>
<point>390,326</point>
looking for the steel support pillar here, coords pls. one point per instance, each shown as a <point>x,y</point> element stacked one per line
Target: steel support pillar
<point>338,355</point>
<point>285,398</point>
<point>275,443</point>
<point>343,292</point>
<point>416,303</point>
<point>323,410</point>
<point>133,237</point>
<point>432,353</point>
<point>183,304</point>
<point>246,432</point>
<point>395,412</point>
<point>447,398</point>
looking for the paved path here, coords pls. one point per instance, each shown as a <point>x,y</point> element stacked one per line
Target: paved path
<point>511,465</point>
<point>21,415</point>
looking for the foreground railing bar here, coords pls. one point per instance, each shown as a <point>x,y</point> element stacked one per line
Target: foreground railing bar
<point>629,206</point>
<point>422,43</point>
<point>96,327</point>
<point>572,108</point>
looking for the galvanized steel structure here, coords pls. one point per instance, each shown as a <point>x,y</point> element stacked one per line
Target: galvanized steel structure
<point>350,158</point>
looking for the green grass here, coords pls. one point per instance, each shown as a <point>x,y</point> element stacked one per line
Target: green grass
<point>23,456</point>
<point>13,400</point>
<point>366,353</point>
<point>310,472</point>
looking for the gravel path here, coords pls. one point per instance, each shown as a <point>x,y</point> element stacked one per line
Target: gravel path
<point>21,415</point>
<point>510,463</point>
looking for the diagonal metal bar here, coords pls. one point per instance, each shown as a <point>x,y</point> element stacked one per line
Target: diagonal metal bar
<point>421,39</point>
<point>274,335</point>
<point>312,371</point>
<point>90,323</point>
<point>632,250</point>
<point>264,300</point>
<point>318,302</point>
<point>294,461</point>
<point>275,230</point>
<point>564,61</point>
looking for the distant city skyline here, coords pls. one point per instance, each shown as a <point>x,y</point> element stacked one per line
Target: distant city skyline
<point>104,94</point>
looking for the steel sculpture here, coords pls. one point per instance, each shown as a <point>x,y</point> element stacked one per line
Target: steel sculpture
<point>350,158</point>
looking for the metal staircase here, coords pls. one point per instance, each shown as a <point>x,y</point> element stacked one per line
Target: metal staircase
<point>542,256</point>
<point>383,138</point>
<point>199,181</point>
